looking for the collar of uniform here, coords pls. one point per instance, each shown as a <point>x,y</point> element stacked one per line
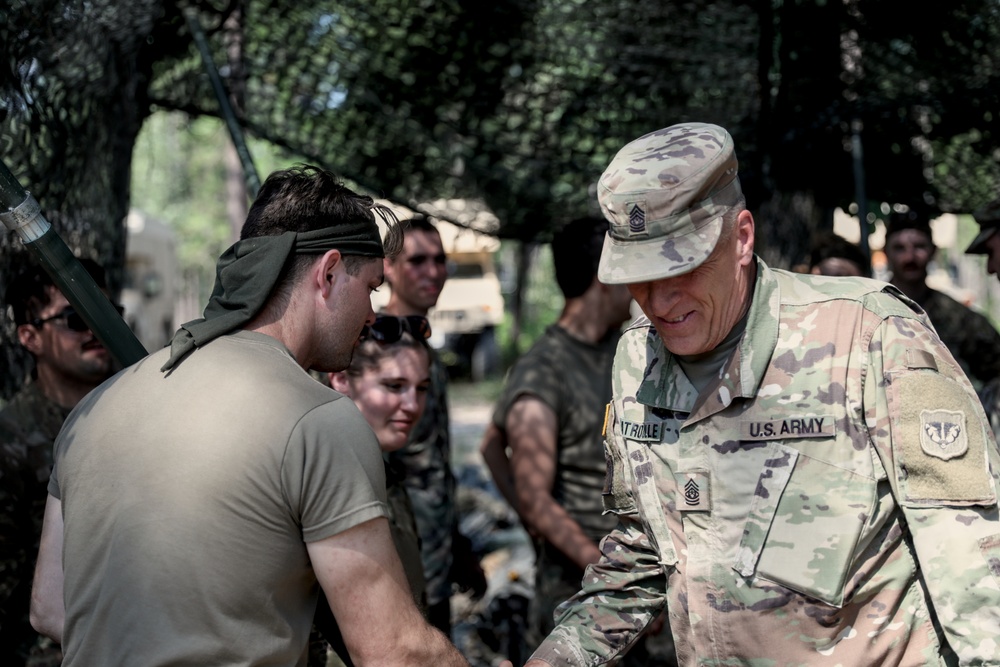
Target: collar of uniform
<point>664,384</point>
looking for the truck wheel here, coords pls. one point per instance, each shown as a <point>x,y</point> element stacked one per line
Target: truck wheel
<point>485,356</point>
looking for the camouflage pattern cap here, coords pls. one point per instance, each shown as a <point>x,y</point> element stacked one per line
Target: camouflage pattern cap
<point>988,218</point>
<point>664,195</point>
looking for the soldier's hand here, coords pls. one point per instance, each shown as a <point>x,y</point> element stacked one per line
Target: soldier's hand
<point>656,627</point>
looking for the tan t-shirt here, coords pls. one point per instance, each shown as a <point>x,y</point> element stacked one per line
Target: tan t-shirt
<point>188,499</point>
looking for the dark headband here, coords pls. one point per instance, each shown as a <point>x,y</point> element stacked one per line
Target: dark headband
<point>248,271</point>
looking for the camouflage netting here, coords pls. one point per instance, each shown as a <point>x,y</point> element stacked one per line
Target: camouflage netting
<point>518,103</point>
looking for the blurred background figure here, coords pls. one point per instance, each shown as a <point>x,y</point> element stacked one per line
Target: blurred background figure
<point>988,241</point>
<point>833,255</point>
<point>69,362</point>
<point>968,335</point>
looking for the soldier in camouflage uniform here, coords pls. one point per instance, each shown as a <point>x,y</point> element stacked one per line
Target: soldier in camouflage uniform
<point>417,276</point>
<point>969,336</point>
<point>801,471</point>
<point>550,415</point>
<point>987,242</point>
<point>69,362</point>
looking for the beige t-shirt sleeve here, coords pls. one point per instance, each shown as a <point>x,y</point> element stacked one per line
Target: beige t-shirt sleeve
<point>332,475</point>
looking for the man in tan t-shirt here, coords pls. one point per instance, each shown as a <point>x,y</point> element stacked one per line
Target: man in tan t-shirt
<point>199,497</point>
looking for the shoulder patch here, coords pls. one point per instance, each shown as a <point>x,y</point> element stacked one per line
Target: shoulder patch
<point>938,440</point>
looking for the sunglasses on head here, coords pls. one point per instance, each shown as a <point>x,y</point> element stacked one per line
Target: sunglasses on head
<point>389,328</point>
<point>74,322</point>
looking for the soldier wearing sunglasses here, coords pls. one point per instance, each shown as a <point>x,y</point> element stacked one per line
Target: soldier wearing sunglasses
<point>69,361</point>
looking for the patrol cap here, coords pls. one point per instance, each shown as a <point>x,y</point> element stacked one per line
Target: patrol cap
<point>988,218</point>
<point>664,195</point>
<point>908,218</point>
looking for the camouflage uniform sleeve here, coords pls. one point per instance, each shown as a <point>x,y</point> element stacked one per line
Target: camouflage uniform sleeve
<point>621,594</point>
<point>941,460</point>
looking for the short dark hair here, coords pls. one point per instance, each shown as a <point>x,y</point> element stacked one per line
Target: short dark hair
<point>305,198</point>
<point>29,289</point>
<point>576,252</point>
<point>827,245</point>
<point>418,222</point>
<point>909,218</point>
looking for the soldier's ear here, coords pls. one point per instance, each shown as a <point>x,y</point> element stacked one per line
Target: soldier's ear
<point>30,338</point>
<point>341,382</point>
<point>327,271</point>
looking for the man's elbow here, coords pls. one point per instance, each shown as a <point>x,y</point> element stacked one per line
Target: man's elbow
<point>46,620</point>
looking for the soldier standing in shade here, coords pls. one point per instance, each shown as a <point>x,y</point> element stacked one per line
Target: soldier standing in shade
<point>833,255</point>
<point>970,337</point>
<point>987,242</point>
<point>801,471</point>
<point>69,362</point>
<point>416,277</point>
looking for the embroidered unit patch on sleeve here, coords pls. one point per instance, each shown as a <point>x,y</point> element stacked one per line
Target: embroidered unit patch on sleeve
<point>938,440</point>
<point>943,433</point>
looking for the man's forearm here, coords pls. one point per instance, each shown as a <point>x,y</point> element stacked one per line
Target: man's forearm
<point>552,522</point>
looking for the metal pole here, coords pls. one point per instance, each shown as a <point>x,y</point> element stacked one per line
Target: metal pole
<point>21,214</point>
<point>859,191</point>
<point>228,114</point>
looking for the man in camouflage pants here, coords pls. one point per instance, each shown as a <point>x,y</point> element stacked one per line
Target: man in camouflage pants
<point>802,473</point>
<point>69,362</point>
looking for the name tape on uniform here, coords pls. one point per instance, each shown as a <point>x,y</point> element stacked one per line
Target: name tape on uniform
<point>642,431</point>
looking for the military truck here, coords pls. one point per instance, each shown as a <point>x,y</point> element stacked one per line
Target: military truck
<point>471,305</point>
<point>151,285</point>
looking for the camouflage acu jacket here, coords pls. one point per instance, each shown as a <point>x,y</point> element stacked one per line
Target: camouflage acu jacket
<point>830,500</point>
<point>28,426</point>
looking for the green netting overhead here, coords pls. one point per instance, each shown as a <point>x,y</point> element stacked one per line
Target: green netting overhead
<point>521,103</point>
<point>518,103</point>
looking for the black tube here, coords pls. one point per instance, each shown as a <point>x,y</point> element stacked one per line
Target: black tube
<point>19,213</point>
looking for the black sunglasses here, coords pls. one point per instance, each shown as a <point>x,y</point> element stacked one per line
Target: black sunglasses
<point>74,322</point>
<point>420,260</point>
<point>389,328</point>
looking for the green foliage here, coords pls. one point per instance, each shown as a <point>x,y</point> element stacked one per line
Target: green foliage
<point>519,103</point>
<point>542,305</point>
<point>179,175</point>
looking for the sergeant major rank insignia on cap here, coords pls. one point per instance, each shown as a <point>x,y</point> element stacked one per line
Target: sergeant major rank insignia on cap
<point>637,220</point>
